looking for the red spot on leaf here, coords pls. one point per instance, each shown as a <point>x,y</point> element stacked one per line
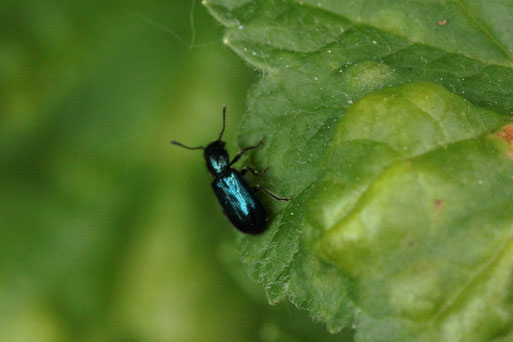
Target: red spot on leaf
<point>506,133</point>
<point>438,204</point>
<point>442,22</point>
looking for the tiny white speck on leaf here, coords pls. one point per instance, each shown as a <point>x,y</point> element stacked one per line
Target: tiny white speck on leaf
<point>374,42</point>
<point>350,101</point>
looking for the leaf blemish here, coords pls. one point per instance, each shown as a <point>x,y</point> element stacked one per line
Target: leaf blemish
<point>438,204</point>
<point>506,133</point>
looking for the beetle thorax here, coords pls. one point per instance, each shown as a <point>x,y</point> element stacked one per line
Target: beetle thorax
<point>216,157</point>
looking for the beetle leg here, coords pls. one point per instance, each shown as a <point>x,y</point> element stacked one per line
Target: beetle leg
<point>253,171</point>
<point>276,197</point>
<point>237,157</point>
<point>245,169</point>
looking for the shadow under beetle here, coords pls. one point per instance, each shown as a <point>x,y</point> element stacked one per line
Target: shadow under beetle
<point>237,198</point>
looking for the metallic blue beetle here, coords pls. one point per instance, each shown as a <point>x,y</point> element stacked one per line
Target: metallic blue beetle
<point>237,198</point>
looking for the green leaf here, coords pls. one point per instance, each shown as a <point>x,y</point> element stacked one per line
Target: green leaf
<point>389,122</point>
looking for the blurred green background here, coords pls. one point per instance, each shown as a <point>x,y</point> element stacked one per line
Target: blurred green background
<point>107,232</point>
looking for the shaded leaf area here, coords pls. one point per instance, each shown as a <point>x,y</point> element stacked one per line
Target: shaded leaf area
<point>387,123</point>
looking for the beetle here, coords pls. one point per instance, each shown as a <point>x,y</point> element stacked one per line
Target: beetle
<point>238,199</point>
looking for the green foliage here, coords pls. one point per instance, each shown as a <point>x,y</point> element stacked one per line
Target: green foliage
<point>388,122</point>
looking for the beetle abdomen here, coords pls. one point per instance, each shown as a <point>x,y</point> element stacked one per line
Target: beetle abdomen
<point>240,203</point>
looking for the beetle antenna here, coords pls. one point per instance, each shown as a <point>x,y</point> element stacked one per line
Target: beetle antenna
<point>187,147</point>
<point>224,120</point>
